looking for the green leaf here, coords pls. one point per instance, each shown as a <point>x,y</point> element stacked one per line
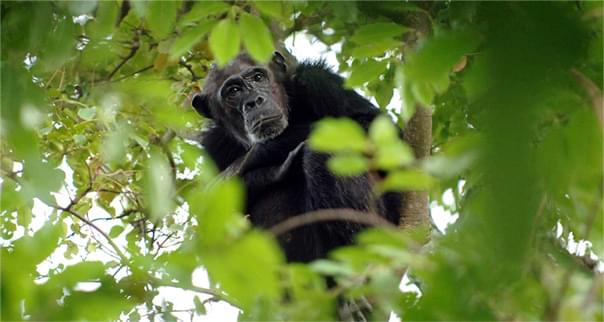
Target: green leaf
<point>158,184</point>
<point>256,37</point>
<point>104,20</point>
<point>113,149</point>
<point>81,7</point>
<point>60,45</point>
<point>87,114</point>
<point>346,11</point>
<point>375,49</point>
<point>409,180</point>
<point>248,279</point>
<point>440,53</point>
<point>270,8</point>
<point>330,267</point>
<point>203,9</point>
<point>376,32</point>
<point>218,211</point>
<point>383,131</point>
<point>41,178</point>
<point>225,41</point>
<point>161,16</point>
<point>72,249</point>
<point>348,164</point>
<point>116,231</point>
<point>337,135</point>
<point>83,205</point>
<point>189,38</point>
<point>383,94</point>
<point>423,92</point>
<point>428,69</point>
<point>80,272</point>
<point>394,154</point>
<point>365,72</point>
<point>200,309</point>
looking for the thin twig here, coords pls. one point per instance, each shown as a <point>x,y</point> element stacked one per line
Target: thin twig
<point>214,293</point>
<point>184,64</point>
<point>342,214</point>
<point>115,247</point>
<point>144,69</point>
<point>135,45</point>
<point>594,92</point>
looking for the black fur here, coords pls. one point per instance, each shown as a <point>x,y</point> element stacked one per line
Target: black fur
<point>306,184</point>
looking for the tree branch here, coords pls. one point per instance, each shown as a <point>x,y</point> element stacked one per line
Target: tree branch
<point>343,214</point>
<point>144,69</point>
<point>115,247</point>
<point>133,49</point>
<point>216,294</point>
<point>594,92</point>
<point>418,133</point>
<point>184,64</point>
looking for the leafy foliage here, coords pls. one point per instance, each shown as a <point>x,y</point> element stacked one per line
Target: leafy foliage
<point>107,199</point>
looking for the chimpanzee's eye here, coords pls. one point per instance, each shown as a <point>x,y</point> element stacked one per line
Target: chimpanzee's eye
<point>258,77</point>
<point>233,90</point>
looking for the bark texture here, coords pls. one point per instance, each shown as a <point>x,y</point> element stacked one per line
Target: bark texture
<point>418,133</point>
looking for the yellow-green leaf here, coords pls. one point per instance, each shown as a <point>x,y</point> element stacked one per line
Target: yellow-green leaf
<point>365,72</point>
<point>407,180</point>
<point>337,134</point>
<point>189,38</point>
<point>256,37</point>
<point>224,41</point>
<point>348,164</point>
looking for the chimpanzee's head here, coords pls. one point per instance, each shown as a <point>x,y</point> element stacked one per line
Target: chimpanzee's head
<point>247,98</point>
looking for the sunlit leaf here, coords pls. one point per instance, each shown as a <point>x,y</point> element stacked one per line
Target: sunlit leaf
<point>270,8</point>
<point>203,9</point>
<point>104,20</point>
<point>348,164</point>
<point>407,180</point>
<point>116,231</point>
<point>333,135</point>
<point>366,72</point>
<point>383,131</point>
<point>329,267</point>
<point>189,38</point>
<point>199,308</point>
<point>87,114</point>
<point>252,279</point>
<point>225,40</point>
<point>375,48</point>
<point>159,185</point>
<point>392,155</point>
<point>219,212</point>
<point>256,37</point>
<point>160,17</point>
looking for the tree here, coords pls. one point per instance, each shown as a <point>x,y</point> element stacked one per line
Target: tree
<point>107,199</point>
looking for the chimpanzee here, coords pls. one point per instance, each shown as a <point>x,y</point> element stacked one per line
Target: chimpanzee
<point>262,115</point>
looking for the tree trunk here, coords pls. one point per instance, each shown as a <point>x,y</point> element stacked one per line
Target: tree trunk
<point>418,133</point>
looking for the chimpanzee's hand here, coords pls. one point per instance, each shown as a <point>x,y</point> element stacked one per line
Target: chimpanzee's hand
<point>262,177</point>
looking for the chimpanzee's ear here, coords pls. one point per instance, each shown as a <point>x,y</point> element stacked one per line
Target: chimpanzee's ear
<point>201,105</point>
<point>278,64</point>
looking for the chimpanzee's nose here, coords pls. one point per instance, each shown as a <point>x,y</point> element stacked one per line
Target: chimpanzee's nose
<point>253,103</point>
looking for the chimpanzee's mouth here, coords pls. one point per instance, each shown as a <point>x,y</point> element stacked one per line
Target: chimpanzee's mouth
<point>267,128</point>
<point>264,121</point>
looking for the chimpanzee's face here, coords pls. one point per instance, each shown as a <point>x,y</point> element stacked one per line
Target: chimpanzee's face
<point>247,98</point>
